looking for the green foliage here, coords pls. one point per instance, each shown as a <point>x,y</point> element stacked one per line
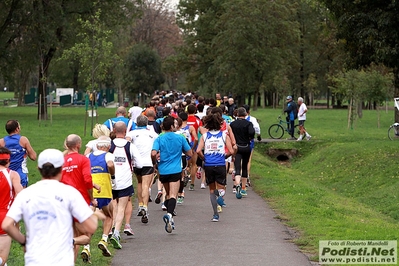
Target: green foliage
<point>143,70</point>
<point>236,45</point>
<point>342,185</point>
<point>93,51</point>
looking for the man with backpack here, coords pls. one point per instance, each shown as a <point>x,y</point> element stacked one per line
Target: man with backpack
<point>292,114</point>
<point>126,155</point>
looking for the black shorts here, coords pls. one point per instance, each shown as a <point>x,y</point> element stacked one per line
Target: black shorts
<point>184,161</point>
<point>170,178</point>
<point>301,122</point>
<point>146,170</point>
<point>215,174</point>
<point>126,192</point>
<point>199,161</point>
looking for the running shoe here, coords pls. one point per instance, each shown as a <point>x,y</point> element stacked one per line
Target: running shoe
<point>111,232</point>
<point>203,186</point>
<point>116,241</point>
<point>128,230</point>
<point>215,218</point>
<point>144,218</point>
<point>103,246</point>
<point>219,208</point>
<point>234,189</point>
<point>186,180</point>
<point>164,207</point>
<point>308,137</point>
<point>191,187</point>
<point>86,256</point>
<point>180,200</point>
<point>167,218</point>
<point>158,198</point>
<point>149,199</point>
<point>243,192</point>
<point>238,192</point>
<point>140,211</point>
<point>221,202</point>
<point>198,174</point>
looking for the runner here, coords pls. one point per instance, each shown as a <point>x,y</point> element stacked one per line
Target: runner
<point>143,138</point>
<point>244,132</point>
<point>76,173</point>
<point>214,142</point>
<point>167,151</point>
<point>102,172</point>
<point>125,155</point>
<point>194,121</point>
<point>10,186</point>
<point>47,209</point>
<point>20,149</point>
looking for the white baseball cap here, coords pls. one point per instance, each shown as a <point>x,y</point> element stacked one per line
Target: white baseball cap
<point>53,156</point>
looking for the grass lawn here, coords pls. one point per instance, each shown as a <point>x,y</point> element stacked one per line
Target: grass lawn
<point>342,185</point>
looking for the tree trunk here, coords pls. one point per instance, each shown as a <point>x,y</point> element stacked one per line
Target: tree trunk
<point>42,87</point>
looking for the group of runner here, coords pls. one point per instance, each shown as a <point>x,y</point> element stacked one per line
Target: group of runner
<point>171,141</point>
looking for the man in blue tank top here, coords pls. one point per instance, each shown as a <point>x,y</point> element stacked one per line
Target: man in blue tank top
<point>20,149</point>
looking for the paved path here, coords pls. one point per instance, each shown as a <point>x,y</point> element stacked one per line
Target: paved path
<point>247,234</point>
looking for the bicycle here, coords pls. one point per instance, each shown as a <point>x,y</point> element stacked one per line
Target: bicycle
<point>276,131</point>
<point>393,131</point>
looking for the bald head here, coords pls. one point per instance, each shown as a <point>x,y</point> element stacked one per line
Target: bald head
<point>121,111</point>
<point>150,114</point>
<point>120,129</point>
<point>73,142</point>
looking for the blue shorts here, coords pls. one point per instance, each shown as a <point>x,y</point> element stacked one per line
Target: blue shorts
<point>252,144</point>
<point>102,202</point>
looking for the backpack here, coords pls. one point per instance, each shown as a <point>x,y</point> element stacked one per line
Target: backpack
<point>295,109</point>
<point>159,111</point>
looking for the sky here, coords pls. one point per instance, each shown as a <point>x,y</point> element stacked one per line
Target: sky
<point>173,2</point>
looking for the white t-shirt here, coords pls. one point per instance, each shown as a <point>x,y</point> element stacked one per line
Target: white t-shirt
<point>143,138</point>
<point>135,111</point>
<point>255,123</point>
<point>47,208</point>
<point>301,112</point>
<point>92,144</point>
<point>123,170</point>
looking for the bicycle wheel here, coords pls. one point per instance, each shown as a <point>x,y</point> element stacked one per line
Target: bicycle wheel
<point>393,132</point>
<point>276,131</point>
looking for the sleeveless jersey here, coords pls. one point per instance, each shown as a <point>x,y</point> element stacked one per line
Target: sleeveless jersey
<point>185,131</point>
<point>7,195</point>
<point>100,175</point>
<point>18,156</point>
<point>214,148</point>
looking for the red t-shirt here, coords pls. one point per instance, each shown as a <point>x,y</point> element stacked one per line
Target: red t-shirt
<point>194,121</point>
<point>76,172</point>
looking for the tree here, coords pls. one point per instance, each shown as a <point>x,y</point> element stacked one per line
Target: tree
<point>143,70</point>
<point>46,27</point>
<point>93,52</point>
<point>157,29</point>
<point>365,85</point>
<point>370,31</point>
<point>238,47</point>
